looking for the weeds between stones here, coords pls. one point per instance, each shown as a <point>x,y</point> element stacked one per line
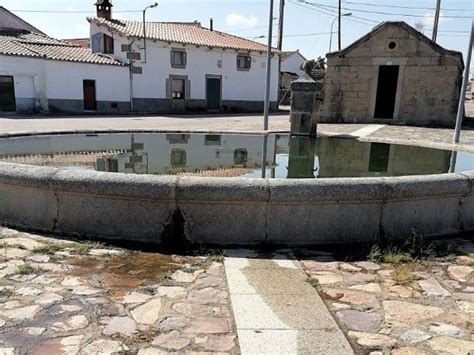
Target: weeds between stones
<point>73,248</point>
<point>4,246</point>
<point>6,292</point>
<point>313,282</point>
<point>167,277</point>
<point>403,275</point>
<point>395,256</point>
<point>49,249</point>
<point>375,254</point>
<point>26,269</point>
<point>415,248</point>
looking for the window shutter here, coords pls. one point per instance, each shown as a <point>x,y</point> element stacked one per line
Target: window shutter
<point>168,89</point>
<point>249,62</point>
<point>172,58</point>
<point>185,60</point>
<point>238,62</point>
<point>187,89</point>
<point>96,43</point>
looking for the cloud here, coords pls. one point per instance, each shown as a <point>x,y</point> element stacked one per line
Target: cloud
<point>235,19</point>
<point>428,19</point>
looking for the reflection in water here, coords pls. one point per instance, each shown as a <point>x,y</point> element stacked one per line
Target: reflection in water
<point>301,158</point>
<point>229,155</point>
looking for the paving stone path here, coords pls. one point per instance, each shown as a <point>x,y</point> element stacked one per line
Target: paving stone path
<point>421,307</point>
<point>276,310</point>
<point>59,297</point>
<point>62,297</point>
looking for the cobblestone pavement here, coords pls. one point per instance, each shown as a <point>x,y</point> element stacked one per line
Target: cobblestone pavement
<point>398,305</point>
<point>61,297</point>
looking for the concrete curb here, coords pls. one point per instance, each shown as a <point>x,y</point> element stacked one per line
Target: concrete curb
<point>222,211</point>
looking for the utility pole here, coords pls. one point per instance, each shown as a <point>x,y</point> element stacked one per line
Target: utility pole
<point>339,17</point>
<point>462,97</point>
<point>281,19</point>
<point>280,25</point>
<point>436,20</point>
<point>266,108</point>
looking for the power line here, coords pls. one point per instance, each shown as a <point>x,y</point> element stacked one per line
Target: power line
<point>383,12</point>
<point>251,28</point>
<point>328,33</point>
<point>452,33</point>
<point>318,8</point>
<point>356,19</point>
<point>70,12</point>
<point>403,7</point>
<point>300,35</point>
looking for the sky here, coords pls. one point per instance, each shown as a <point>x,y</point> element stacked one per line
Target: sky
<point>307,22</point>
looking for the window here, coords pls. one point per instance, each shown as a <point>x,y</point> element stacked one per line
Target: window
<point>108,44</point>
<point>177,89</point>
<point>175,138</point>
<point>212,139</point>
<point>178,157</point>
<point>240,156</point>
<point>178,59</point>
<point>243,62</point>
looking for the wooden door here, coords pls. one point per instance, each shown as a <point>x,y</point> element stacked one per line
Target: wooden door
<point>90,102</point>
<point>213,93</point>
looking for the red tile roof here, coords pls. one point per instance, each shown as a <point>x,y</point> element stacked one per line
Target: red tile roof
<point>81,42</point>
<point>181,32</point>
<point>27,44</point>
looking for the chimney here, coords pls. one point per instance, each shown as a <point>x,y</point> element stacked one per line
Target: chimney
<point>211,24</point>
<point>104,9</point>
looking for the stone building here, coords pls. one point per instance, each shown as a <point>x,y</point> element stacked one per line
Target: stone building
<point>393,75</point>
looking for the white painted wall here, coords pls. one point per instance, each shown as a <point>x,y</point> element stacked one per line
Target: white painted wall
<point>236,85</point>
<point>29,79</point>
<point>65,80</point>
<point>292,64</point>
<point>41,79</point>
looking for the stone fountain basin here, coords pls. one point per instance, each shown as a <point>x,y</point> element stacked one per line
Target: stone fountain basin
<point>234,212</point>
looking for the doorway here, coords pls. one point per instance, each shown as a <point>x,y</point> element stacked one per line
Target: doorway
<point>386,91</point>
<point>90,102</point>
<point>7,94</point>
<point>213,93</point>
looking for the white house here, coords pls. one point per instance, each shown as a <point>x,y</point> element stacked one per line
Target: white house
<point>39,73</point>
<point>291,62</point>
<point>180,67</point>
<point>290,68</point>
<point>185,66</point>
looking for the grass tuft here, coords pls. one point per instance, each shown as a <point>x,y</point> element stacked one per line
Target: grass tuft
<point>395,256</point>
<point>49,249</point>
<point>403,275</point>
<point>6,292</point>
<point>167,277</point>
<point>216,258</point>
<point>26,269</point>
<point>312,281</point>
<point>73,248</point>
<point>375,254</point>
<point>79,249</point>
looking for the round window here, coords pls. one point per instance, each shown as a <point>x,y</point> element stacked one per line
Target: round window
<point>392,45</point>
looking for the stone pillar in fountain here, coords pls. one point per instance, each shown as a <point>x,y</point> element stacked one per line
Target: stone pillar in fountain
<point>306,100</point>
